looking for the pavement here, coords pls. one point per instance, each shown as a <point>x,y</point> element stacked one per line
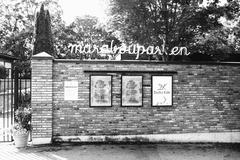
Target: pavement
<point>78,151</point>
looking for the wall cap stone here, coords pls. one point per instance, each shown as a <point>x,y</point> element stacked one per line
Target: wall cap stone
<point>42,55</point>
<point>38,141</point>
<point>77,61</point>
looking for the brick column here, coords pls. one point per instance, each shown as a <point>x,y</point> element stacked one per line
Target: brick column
<point>42,65</point>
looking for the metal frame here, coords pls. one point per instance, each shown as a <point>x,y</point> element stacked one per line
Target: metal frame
<point>152,90</point>
<point>90,89</point>
<point>122,91</point>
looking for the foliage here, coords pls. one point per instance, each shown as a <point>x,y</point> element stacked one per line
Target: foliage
<point>3,72</point>
<point>85,30</point>
<point>221,41</point>
<point>17,26</point>
<point>216,43</point>
<point>147,22</point>
<point>173,22</point>
<point>23,119</point>
<point>43,34</point>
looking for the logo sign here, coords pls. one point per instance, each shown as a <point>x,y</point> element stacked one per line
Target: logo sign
<point>161,90</point>
<point>131,49</point>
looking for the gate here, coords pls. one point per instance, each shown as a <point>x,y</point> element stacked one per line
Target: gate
<point>15,89</point>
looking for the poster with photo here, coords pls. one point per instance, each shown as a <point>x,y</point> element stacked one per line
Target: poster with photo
<point>100,91</point>
<point>161,91</point>
<point>132,91</point>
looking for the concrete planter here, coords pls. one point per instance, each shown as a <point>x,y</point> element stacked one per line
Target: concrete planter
<point>21,140</point>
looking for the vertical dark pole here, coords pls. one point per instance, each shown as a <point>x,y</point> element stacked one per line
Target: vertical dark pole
<point>4,90</point>
<point>1,103</point>
<point>30,83</point>
<point>25,84</point>
<point>7,106</point>
<point>12,94</point>
<point>20,87</point>
<point>15,89</point>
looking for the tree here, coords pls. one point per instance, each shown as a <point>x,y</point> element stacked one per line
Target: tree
<point>84,30</point>
<point>172,22</point>
<point>216,43</point>
<point>43,34</point>
<point>16,17</point>
<point>220,42</point>
<point>17,26</point>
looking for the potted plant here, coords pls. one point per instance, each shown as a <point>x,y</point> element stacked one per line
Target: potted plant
<point>22,126</point>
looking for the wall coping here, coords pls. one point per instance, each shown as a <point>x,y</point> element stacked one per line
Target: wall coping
<point>77,61</point>
<point>42,55</point>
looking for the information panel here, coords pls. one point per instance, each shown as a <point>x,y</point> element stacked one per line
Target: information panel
<point>70,90</point>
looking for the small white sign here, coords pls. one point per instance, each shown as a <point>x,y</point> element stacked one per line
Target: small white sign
<point>161,90</point>
<point>70,90</point>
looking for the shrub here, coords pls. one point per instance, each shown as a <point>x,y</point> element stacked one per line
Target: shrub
<point>3,72</point>
<point>23,117</point>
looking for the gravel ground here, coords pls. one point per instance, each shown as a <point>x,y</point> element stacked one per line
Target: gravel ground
<point>125,152</point>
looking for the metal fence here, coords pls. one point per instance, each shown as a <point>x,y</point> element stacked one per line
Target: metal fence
<point>15,89</point>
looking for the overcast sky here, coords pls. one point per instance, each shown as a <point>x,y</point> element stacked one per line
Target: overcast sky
<point>74,8</point>
<point>98,8</point>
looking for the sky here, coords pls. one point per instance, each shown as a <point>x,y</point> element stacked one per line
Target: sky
<point>97,8</point>
<point>74,8</point>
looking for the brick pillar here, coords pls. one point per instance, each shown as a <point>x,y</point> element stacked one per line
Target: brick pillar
<point>42,65</point>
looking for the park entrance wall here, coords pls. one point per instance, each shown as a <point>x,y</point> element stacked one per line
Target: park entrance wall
<point>204,101</point>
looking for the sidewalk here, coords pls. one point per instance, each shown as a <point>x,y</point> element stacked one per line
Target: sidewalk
<point>9,152</point>
<point>122,152</point>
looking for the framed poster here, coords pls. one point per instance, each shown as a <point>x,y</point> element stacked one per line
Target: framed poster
<point>70,90</point>
<point>100,91</point>
<point>132,91</point>
<point>161,91</point>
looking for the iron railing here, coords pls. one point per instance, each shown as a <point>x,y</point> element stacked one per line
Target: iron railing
<point>15,90</point>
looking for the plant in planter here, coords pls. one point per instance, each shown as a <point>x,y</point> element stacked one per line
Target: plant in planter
<point>22,126</point>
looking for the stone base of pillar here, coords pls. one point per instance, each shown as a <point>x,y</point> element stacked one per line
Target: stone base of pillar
<point>37,141</point>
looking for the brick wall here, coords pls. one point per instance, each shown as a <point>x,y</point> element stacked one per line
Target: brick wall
<point>206,98</point>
